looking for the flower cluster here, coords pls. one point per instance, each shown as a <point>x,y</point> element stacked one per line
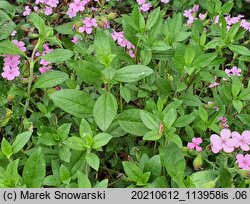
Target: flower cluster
<point>234,71</point>
<point>11,62</point>
<point>88,25</point>
<point>228,141</point>
<point>233,20</point>
<point>76,6</point>
<point>143,5</point>
<point>45,65</point>
<point>123,42</point>
<point>48,6</point>
<point>190,14</point>
<point>195,144</point>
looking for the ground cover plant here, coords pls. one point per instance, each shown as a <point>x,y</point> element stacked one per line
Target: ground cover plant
<point>97,93</point>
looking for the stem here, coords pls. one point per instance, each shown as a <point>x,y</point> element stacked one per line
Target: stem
<point>32,63</point>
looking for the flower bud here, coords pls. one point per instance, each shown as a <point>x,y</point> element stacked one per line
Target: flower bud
<point>210,184</point>
<point>244,173</point>
<point>198,161</point>
<point>112,16</point>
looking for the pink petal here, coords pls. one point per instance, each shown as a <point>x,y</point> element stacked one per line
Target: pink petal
<point>225,134</point>
<point>227,149</point>
<point>215,150</point>
<point>245,147</point>
<point>191,145</point>
<point>215,139</point>
<point>246,135</point>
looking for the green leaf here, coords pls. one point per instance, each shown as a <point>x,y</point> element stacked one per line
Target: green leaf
<point>132,73</point>
<point>225,178</point>
<point>204,60</point>
<point>86,71</point>
<point>6,148</point>
<point>93,160</point>
<point>34,169</point>
<point>38,22</point>
<point>103,184</point>
<point>245,119</point>
<point>174,160</point>
<point>152,135</point>
<point>75,143</point>
<point>65,29</point>
<point>199,179</point>
<point>75,102</point>
<point>149,120</point>
<point>130,122</point>
<point>50,79</point>
<point>7,25</point>
<point>5,5</point>
<point>133,172</point>
<point>189,55</point>
<point>153,165</point>
<point>20,141</point>
<point>125,93</point>
<point>65,174</point>
<point>83,180</point>
<point>240,49</point>
<point>52,180</point>
<point>63,131</point>
<point>203,114</point>
<point>227,7</point>
<point>238,105</point>
<point>184,120</point>
<point>58,55</point>
<point>105,110</point>
<point>101,139</point>
<point>65,153</point>
<point>7,47</point>
<point>85,128</point>
<point>102,44</point>
<point>232,32</point>
<point>169,118</point>
<point>12,173</point>
<point>236,86</point>
<point>190,100</point>
<point>153,18</point>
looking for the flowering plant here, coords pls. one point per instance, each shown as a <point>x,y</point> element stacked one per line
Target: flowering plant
<point>141,93</point>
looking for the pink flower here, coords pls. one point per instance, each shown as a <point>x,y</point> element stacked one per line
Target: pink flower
<point>214,84</point>
<point>195,144</point>
<point>145,7</point>
<point>202,16</point>
<point>195,8</point>
<point>165,1</point>
<point>216,19</point>
<point>27,11</point>
<point>242,141</point>
<point>48,11</point>
<point>71,13</point>
<point>222,142</point>
<point>75,40</point>
<point>131,53</point>
<point>45,69</point>
<point>244,24</point>
<point>20,44</point>
<point>243,161</point>
<point>9,73</point>
<point>235,71</point>
<point>140,2</point>
<point>13,33</point>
